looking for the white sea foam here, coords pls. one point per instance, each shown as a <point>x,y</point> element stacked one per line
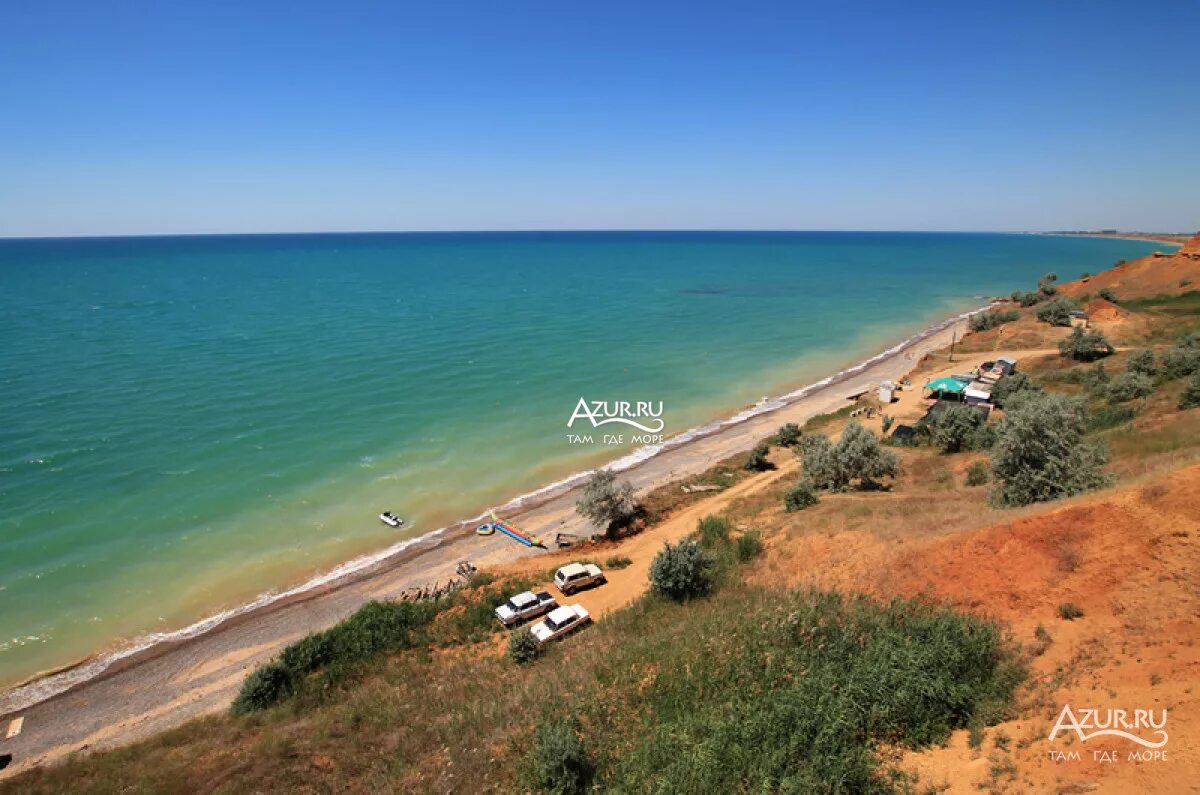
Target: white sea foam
<point>42,688</point>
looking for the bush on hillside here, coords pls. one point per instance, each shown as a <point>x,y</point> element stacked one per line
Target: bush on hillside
<point>1040,453</point>
<point>1031,299</point>
<point>1013,386</point>
<point>608,505</point>
<point>1086,346</point>
<point>1110,417</point>
<point>960,428</point>
<point>1190,398</point>
<point>1142,362</point>
<point>557,762</point>
<point>978,474</point>
<point>800,496</point>
<point>857,456</point>
<point>713,531</point>
<point>1057,312</point>
<point>757,460</point>
<point>1128,386</point>
<point>749,544</point>
<point>1107,294</point>
<point>523,646</point>
<point>788,435</point>
<point>682,571</point>
<point>982,321</point>
<point>1046,284</point>
<point>376,627</point>
<point>1183,359</point>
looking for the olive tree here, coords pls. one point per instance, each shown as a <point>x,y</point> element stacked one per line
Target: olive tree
<point>1057,312</point>
<point>960,428</point>
<point>856,456</point>
<point>1128,386</point>
<point>1040,452</point>
<point>606,504</point>
<point>1086,346</point>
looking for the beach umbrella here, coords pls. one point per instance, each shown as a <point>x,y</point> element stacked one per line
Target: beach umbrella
<point>946,385</point>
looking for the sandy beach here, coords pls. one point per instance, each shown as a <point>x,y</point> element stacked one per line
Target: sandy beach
<point>170,683</point>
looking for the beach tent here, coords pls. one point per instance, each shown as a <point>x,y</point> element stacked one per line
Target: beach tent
<point>946,385</point>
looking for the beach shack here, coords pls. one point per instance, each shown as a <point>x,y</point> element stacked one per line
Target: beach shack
<point>946,388</point>
<point>978,393</point>
<point>887,391</point>
<point>1007,365</point>
<point>1079,318</point>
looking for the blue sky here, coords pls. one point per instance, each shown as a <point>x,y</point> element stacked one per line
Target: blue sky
<point>130,118</point>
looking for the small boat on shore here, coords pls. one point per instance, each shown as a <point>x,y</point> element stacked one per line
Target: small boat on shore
<point>390,519</point>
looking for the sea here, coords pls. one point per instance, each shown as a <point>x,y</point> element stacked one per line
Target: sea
<point>188,424</point>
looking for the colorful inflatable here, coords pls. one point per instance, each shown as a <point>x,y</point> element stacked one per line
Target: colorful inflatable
<point>508,529</point>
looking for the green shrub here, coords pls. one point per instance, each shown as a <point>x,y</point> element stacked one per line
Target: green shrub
<point>1190,398</point>
<point>375,628</point>
<point>749,545</point>
<point>1068,611</point>
<point>856,456</point>
<point>788,435</point>
<point>713,531</point>
<point>523,646</point>
<point>682,571</point>
<point>800,496</point>
<point>982,321</point>
<point>265,687</point>
<point>1110,417</point>
<point>618,562</point>
<point>886,421</point>
<point>960,428</point>
<point>1013,386</point>
<point>1108,295</point>
<point>757,460</point>
<point>1183,359</point>
<point>1142,362</point>
<point>1128,386</point>
<point>1040,453</point>
<point>1096,379</point>
<point>1057,312</point>
<point>978,474</point>
<point>557,761</point>
<point>1031,299</point>
<point>1046,284</point>
<point>1086,346</point>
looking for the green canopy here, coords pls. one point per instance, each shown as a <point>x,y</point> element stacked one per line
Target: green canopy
<point>952,385</point>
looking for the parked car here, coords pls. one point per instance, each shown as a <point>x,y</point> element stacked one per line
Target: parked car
<point>525,606</point>
<point>560,622</point>
<point>577,576</point>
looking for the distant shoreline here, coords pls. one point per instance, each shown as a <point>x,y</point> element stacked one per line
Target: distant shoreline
<point>1167,238</point>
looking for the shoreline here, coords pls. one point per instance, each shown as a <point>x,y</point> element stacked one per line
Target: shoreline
<point>1165,239</point>
<point>50,682</point>
<point>235,641</point>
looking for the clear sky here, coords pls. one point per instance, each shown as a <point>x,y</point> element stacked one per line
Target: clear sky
<point>128,118</point>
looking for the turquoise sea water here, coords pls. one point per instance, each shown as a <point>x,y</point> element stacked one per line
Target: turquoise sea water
<point>188,422</point>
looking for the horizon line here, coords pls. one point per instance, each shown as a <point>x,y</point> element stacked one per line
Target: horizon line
<point>535,231</point>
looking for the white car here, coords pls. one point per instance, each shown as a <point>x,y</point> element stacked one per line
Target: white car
<point>577,576</point>
<point>524,606</point>
<point>561,621</point>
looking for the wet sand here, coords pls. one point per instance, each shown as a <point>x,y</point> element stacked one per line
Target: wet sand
<point>171,683</point>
